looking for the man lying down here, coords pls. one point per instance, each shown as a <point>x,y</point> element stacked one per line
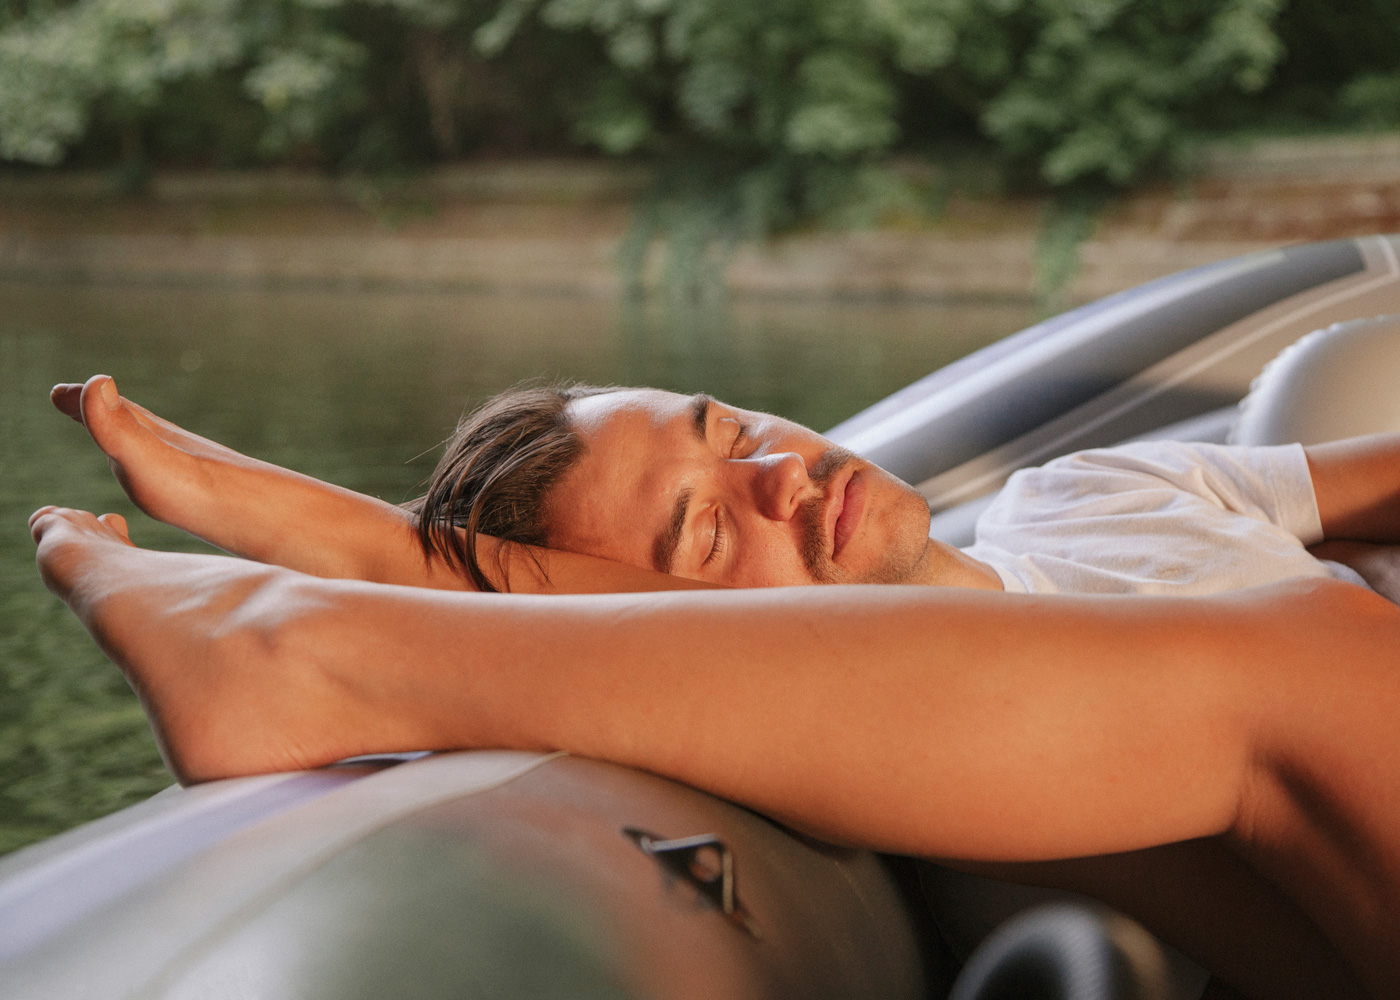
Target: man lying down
<point>1225,768</point>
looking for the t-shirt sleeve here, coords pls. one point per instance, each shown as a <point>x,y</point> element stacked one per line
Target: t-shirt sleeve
<point>1270,484</point>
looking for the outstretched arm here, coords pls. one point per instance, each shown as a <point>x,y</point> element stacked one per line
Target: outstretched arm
<point>264,512</point>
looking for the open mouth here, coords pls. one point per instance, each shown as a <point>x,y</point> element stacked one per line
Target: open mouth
<point>848,506</point>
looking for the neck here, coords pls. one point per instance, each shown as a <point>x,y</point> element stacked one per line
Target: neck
<point>946,566</point>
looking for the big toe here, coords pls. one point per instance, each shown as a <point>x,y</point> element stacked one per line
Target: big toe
<point>99,400</point>
<point>118,524</point>
<point>105,389</point>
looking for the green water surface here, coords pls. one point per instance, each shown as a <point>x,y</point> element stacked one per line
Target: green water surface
<point>359,389</point>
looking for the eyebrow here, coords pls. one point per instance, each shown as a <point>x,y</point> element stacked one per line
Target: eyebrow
<point>663,550</point>
<point>700,405</point>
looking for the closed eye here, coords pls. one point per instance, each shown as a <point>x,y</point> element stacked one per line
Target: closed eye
<point>720,538</point>
<point>740,442</point>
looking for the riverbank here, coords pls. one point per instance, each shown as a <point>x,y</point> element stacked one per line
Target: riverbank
<point>554,228</point>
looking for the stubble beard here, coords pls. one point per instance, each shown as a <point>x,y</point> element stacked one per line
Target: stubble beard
<point>894,569</point>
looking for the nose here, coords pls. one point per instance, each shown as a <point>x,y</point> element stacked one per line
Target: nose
<point>780,483</point>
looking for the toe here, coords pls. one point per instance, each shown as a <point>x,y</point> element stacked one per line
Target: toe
<point>40,513</point>
<point>36,528</point>
<point>67,397</point>
<point>118,524</point>
<point>99,399</point>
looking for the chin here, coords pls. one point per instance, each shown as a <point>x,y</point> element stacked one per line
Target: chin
<point>903,550</point>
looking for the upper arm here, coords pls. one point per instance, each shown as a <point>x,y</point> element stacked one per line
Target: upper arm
<point>1357,483</point>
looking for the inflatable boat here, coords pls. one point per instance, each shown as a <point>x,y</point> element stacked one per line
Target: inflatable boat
<point>501,874</point>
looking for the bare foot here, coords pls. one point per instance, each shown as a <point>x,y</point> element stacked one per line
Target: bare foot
<point>153,459</point>
<point>177,625</point>
<point>247,507</point>
<point>68,539</point>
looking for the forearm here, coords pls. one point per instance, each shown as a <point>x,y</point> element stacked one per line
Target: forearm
<point>1357,483</point>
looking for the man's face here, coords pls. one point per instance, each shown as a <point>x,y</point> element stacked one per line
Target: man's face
<point>690,486</point>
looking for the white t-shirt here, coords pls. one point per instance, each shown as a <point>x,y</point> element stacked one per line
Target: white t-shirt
<point>1156,517</point>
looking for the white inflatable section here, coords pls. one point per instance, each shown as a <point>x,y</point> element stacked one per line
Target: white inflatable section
<point>1334,383</point>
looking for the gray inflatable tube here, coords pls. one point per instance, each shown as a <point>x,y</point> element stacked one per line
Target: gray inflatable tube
<point>1171,358</point>
<point>503,875</point>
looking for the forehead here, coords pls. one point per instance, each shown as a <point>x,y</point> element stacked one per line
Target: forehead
<point>602,418</point>
<point>639,446</point>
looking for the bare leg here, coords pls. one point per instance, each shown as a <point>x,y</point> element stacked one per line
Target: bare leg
<point>274,515</point>
<point>912,719</point>
<point>192,634</point>
<point>153,459</point>
<point>245,506</point>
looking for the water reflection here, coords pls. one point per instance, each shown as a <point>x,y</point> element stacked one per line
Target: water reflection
<point>357,389</point>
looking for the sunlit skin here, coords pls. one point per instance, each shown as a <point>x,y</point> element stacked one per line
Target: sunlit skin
<point>690,486</point>
<point>1251,735</point>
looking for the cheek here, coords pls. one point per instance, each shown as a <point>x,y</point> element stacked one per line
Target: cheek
<point>772,562</point>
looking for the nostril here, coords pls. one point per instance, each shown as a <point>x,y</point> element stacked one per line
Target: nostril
<point>783,484</point>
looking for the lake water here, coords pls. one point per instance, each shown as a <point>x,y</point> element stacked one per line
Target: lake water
<point>358,389</point>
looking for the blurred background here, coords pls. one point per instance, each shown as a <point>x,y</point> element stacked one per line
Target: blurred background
<point>318,229</point>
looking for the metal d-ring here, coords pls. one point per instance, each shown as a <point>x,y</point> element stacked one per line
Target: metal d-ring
<point>681,857</point>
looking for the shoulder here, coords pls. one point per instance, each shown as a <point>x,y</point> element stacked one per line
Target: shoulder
<point>1229,475</point>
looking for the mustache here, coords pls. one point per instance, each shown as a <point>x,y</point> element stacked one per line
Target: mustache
<point>811,521</point>
<point>832,461</point>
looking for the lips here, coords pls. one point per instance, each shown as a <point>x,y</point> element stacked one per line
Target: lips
<point>848,506</point>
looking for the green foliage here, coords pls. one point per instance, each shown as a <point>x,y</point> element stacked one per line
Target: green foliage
<point>783,110</point>
<point>312,72</point>
<point>1106,90</point>
<point>1372,99</point>
<point>1067,222</point>
<point>123,52</point>
<point>48,75</point>
<point>723,78</point>
<point>755,115</point>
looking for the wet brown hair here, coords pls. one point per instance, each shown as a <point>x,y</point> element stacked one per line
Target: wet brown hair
<point>497,472</point>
